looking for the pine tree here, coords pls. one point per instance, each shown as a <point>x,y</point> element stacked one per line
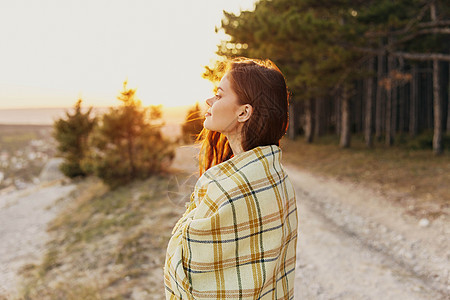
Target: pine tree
<point>307,40</point>
<point>128,144</point>
<point>72,135</point>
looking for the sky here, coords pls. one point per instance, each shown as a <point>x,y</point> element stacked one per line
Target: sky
<point>56,51</point>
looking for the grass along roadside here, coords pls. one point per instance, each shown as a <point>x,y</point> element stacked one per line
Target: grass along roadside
<point>106,244</point>
<point>416,179</point>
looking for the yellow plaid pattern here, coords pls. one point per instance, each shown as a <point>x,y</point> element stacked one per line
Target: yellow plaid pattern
<point>238,237</point>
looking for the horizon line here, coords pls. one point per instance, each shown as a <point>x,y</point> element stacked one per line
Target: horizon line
<point>93,106</point>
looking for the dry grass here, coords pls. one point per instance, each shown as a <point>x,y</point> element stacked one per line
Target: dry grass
<point>107,244</point>
<point>399,172</point>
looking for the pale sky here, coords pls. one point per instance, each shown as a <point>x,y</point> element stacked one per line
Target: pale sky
<point>54,51</point>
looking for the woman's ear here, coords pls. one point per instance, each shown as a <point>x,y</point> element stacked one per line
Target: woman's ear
<point>245,113</point>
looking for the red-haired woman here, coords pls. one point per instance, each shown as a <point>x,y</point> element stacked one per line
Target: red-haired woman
<point>237,239</point>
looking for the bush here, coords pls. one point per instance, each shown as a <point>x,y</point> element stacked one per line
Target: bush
<point>127,144</point>
<point>72,134</point>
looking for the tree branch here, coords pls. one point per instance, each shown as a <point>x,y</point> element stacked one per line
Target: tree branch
<point>405,55</point>
<point>422,56</point>
<point>434,24</point>
<point>416,19</point>
<point>422,32</point>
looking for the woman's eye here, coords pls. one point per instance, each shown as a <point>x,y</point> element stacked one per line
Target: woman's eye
<point>218,96</point>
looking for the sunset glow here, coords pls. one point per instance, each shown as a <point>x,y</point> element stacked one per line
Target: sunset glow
<point>54,52</point>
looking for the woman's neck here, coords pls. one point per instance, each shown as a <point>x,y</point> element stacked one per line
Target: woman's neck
<point>235,143</point>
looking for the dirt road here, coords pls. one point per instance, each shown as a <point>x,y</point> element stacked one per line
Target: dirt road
<point>355,244</point>
<point>24,216</point>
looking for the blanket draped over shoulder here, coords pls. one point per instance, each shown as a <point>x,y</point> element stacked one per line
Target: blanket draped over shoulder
<point>238,237</point>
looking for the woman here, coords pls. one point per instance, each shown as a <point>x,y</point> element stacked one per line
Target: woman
<point>237,239</point>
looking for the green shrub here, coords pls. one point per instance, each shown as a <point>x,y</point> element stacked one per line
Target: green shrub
<point>128,144</point>
<point>72,135</point>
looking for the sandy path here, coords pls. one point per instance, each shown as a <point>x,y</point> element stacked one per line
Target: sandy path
<point>24,216</point>
<point>354,244</point>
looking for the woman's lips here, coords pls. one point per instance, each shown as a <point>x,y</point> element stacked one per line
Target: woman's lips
<point>207,114</point>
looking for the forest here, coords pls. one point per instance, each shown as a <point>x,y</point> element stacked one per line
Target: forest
<point>376,69</point>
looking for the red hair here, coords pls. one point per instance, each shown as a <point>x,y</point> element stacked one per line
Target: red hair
<point>262,85</point>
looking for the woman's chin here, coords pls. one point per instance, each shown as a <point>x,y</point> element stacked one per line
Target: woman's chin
<point>206,125</point>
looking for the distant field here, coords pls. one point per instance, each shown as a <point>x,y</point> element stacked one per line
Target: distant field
<point>24,150</point>
<point>13,137</point>
<point>11,128</point>
<point>398,171</point>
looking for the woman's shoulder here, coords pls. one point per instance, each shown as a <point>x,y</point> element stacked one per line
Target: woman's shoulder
<point>257,172</point>
<point>249,165</point>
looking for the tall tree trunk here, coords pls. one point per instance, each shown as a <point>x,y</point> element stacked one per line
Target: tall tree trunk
<point>433,11</point>
<point>292,131</point>
<point>379,99</point>
<point>356,111</point>
<point>394,92</point>
<point>309,125</point>
<point>388,137</point>
<point>394,109</point>
<point>401,102</point>
<point>319,117</point>
<point>437,104</point>
<point>369,107</point>
<point>401,109</point>
<point>413,108</point>
<point>337,112</point>
<point>345,126</point>
<point>448,101</point>
<point>429,99</point>
<point>389,88</point>
<point>327,109</point>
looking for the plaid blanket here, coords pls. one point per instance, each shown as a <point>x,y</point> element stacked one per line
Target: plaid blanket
<point>238,236</point>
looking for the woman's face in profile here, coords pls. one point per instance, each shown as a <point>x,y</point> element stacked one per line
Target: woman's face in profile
<point>223,109</point>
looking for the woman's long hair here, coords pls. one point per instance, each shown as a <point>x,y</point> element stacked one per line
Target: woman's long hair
<point>262,85</point>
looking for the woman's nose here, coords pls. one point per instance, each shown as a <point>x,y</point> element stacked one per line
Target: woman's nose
<point>210,101</point>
